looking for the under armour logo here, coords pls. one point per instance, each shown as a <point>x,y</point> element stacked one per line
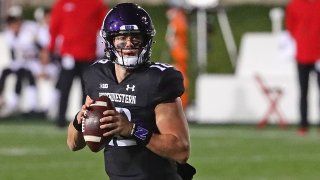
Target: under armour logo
<point>132,87</point>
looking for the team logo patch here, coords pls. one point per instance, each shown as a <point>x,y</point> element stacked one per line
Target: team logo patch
<point>103,86</point>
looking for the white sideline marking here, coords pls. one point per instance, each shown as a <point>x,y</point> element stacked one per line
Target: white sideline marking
<point>22,151</point>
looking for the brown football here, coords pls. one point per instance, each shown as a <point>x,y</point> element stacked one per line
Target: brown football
<point>92,133</point>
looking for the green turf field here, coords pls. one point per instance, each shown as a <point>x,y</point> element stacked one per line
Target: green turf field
<point>37,150</point>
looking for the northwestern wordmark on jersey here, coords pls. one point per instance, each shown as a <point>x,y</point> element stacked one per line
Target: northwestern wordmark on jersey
<point>121,98</point>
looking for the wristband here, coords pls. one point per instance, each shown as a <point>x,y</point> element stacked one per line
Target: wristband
<point>76,125</point>
<point>141,135</point>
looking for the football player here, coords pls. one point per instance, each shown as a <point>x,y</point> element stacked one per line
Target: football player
<point>149,129</point>
<point>20,38</point>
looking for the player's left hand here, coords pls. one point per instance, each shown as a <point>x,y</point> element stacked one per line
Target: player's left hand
<point>116,123</point>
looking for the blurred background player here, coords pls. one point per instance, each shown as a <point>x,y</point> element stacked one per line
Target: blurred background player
<point>20,37</point>
<point>303,24</point>
<point>47,68</point>
<point>77,23</point>
<point>176,38</point>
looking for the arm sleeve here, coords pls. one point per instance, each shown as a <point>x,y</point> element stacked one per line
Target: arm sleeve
<point>54,27</point>
<point>289,19</point>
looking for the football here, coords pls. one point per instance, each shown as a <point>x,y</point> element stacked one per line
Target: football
<point>92,133</point>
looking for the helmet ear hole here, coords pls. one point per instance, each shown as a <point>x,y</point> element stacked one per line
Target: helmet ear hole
<point>128,18</point>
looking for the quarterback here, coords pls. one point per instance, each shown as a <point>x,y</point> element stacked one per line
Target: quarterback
<point>149,129</point>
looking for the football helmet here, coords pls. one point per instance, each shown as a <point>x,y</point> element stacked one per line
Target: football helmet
<point>128,19</point>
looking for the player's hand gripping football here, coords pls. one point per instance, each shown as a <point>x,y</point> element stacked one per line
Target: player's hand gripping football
<point>116,121</point>
<point>82,113</point>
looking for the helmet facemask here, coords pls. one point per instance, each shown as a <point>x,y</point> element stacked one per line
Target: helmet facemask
<point>119,53</point>
<point>130,54</point>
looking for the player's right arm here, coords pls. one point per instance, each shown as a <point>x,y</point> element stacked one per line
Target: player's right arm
<point>75,138</point>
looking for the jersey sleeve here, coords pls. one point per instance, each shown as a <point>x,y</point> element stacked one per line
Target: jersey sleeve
<point>93,74</point>
<point>170,86</point>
